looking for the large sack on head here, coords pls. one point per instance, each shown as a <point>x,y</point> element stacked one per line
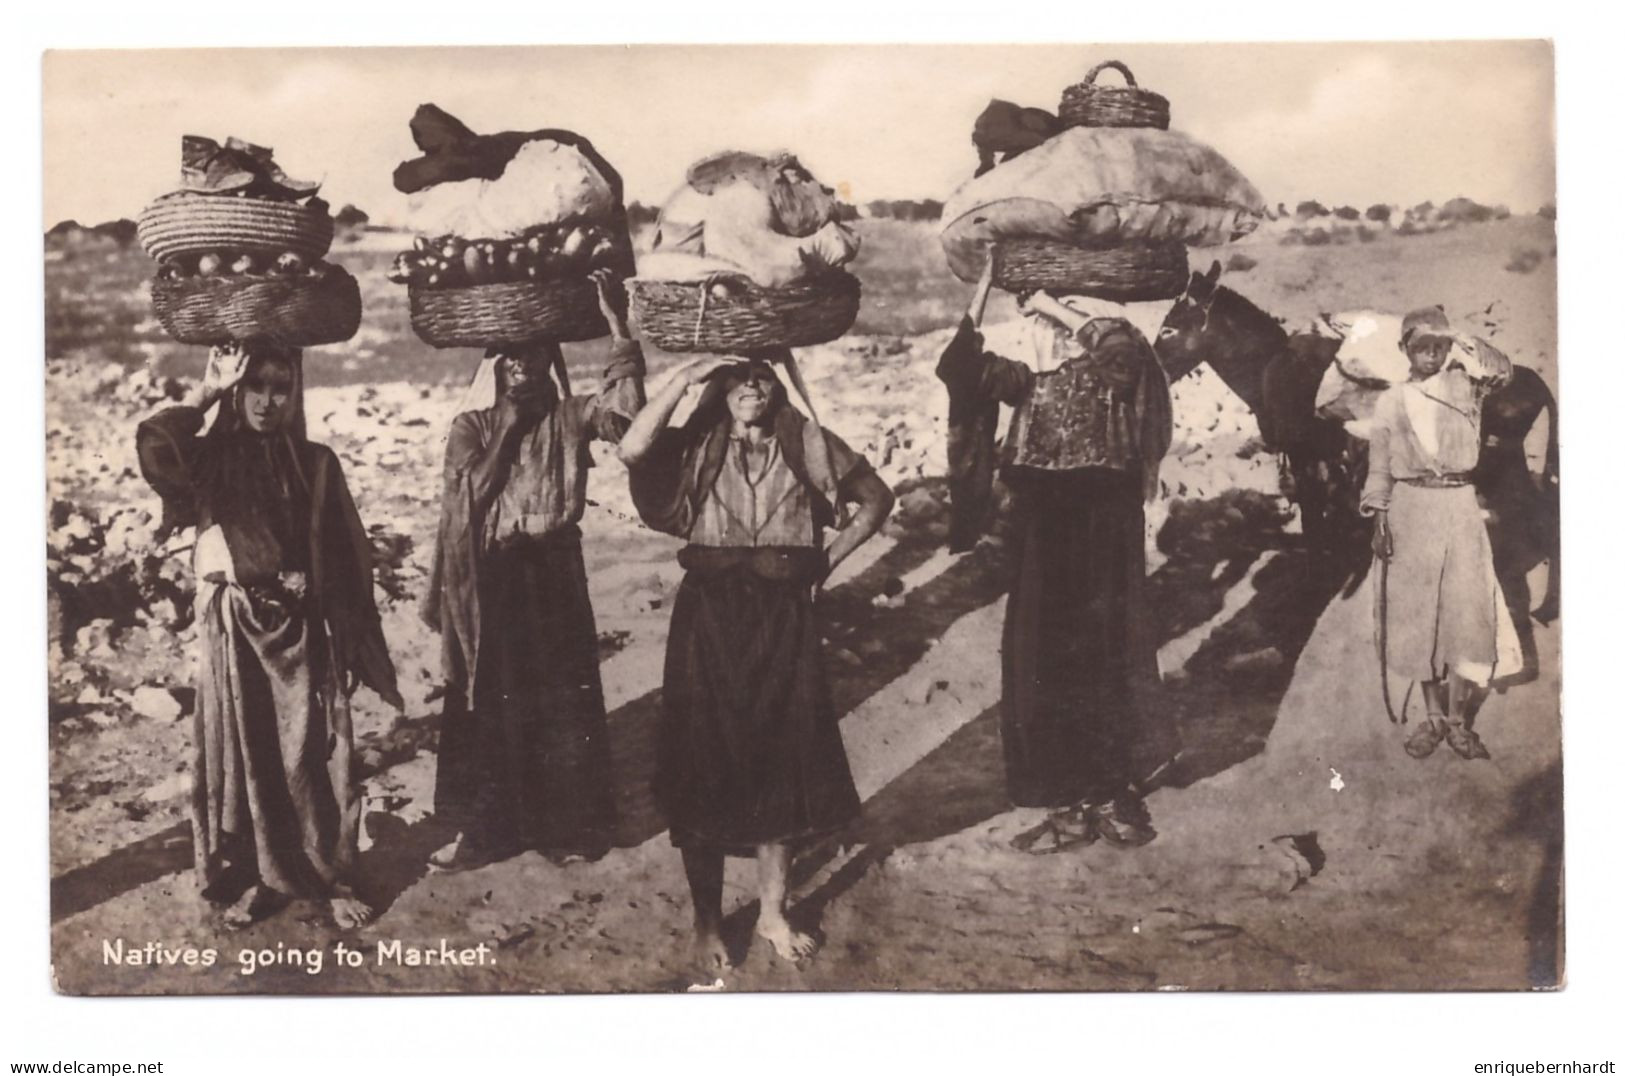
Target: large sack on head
<point>1098,187</point>
<point>546,182</point>
<point>765,218</point>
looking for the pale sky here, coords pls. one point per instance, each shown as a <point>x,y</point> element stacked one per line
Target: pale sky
<point>1348,123</point>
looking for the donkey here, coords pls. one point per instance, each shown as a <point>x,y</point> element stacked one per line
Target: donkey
<point>1275,374</point>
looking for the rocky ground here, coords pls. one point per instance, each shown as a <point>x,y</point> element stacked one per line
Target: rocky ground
<point>1299,849</point>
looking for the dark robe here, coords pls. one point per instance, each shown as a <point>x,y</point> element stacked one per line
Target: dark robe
<point>524,757</point>
<point>1078,716</point>
<point>750,748</point>
<point>284,638</point>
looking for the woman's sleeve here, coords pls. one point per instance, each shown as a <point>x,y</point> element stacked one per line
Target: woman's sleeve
<point>168,448</point>
<point>661,482</point>
<point>1379,479</point>
<point>970,371</point>
<point>848,465</point>
<point>608,413</point>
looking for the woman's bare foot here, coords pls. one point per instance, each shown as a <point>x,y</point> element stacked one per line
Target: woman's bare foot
<point>788,942</point>
<point>257,902</point>
<point>711,957</point>
<point>349,911</point>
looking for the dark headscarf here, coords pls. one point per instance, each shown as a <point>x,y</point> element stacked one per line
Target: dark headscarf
<point>679,471</point>
<point>282,504</point>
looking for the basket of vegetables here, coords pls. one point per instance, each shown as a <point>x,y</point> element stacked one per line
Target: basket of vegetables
<point>224,296</point>
<point>1128,273</point>
<point>1087,104</point>
<point>191,224</point>
<point>731,314</point>
<point>495,292</point>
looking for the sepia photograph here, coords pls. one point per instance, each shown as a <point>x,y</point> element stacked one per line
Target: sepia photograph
<point>950,518</point>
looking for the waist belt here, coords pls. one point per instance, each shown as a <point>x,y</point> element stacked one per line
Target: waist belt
<point>1439,481</point>
<point>802,564</point>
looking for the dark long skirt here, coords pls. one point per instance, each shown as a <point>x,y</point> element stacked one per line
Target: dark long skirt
<point>750,751</point>
<point>530,764</point>
<point>272,795</point>
<point>1078,658</point>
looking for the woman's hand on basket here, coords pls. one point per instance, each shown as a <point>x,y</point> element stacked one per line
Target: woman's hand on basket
<point>603,280</point>
<point>700,369</point>
<point>226,367</point>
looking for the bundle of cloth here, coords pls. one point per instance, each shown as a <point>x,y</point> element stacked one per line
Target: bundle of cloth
<point>231,169</point>
<point>532,205</point>
<point>1092,187</point>
<point>743,215</point>
<point>1370,360</point>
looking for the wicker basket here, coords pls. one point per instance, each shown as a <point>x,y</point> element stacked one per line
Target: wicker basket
<point>1132,273</point>
<point>497,315</point>
<point>1088,105</point>
<point>692,317</point>
<point>295,311</point>
<point>187,222</point>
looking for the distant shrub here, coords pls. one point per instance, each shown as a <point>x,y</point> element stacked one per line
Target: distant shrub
<point>1464,211</point>
<point>1240,263</point>
<point>1346,212</point>
<point>121,231</point>
<point>1366,234</point>
<point>905,209</point>
<point>1379,213</point>
<point>1525,260</point>
<point>1316,237</point>
<point>350,217</point>
<point>1408,227</point>
<point>1548,211</point>
<point>1312,209</point>
<point>1421,210</point>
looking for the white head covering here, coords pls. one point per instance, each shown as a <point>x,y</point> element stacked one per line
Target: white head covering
<point>481,394</point>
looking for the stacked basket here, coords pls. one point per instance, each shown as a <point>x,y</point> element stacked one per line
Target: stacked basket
<point>240,267</point>
<point>1125,272</point>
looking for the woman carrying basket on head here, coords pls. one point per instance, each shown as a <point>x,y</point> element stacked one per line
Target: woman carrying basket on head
<point>524,752</point>
<point>1081,727</point>
<point>287,629</point>
<point>750,758</point>
<point>1442,618</point>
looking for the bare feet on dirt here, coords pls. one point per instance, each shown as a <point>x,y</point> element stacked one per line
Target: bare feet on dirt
<point>257,902</point>
<point>350,912</point>
<point>788,942</point>
<point>711,958</point>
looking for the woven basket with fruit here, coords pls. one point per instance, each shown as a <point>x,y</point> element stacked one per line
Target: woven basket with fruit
<point>510,226</point>
<point>493,292</point>
<point>239,251</point>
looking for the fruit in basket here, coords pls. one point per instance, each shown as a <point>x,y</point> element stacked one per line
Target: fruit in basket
<point>574,242</point>
<point>243,264</point>
<point>290,262</point>
<point>208,265</point>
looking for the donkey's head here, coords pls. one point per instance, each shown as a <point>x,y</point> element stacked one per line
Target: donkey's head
<point>1183,341</point>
